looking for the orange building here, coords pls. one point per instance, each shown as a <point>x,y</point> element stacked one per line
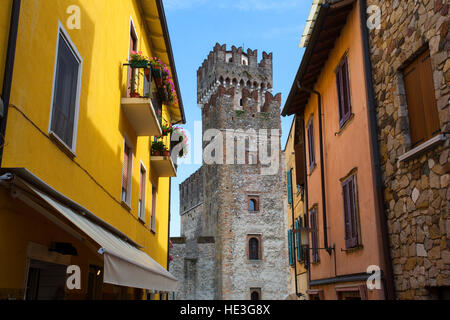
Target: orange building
<point>330,98</point>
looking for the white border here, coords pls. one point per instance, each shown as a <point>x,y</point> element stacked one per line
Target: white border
<point>77,55</point>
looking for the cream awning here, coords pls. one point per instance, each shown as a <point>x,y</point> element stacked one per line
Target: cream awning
<point>124,264</point>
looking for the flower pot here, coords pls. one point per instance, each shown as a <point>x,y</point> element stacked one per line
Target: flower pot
<point>139,64</point>
<point>156,153</point>
<point>164,96</point>
<point>135,95</point>
<point>166,153</point>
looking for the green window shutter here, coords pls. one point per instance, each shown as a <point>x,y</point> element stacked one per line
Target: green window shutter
<point>298,225</point>
<point>291,251</point>
<point>289,184</point>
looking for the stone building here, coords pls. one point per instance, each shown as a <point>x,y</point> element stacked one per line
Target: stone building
<point>410,60</point>
<point>233,241</point>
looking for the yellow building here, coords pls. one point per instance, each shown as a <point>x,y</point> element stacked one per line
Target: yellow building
<point>78,184</point>
<point>295,177</point>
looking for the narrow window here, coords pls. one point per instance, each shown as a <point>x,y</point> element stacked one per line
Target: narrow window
<point>314,236</point>
<point>343,90</point>
<point>67,83</point>
<point>126,174</point>
<point>142,188</point>
<point>289,185</point>
<point>131,85</point>
<point>311,149</point>
<point>350,213</point>
<point>255,294</point>
<point>298,225</point>
<point>291,247</point>
<point>421,100</point>
<point>253,203</point>
<point>253,248</point>
<point>153,218</point>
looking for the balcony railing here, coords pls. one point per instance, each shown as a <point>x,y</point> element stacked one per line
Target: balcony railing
<point>142,103</point>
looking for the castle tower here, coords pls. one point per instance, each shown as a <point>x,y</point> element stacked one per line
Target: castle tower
<point>239,222</point>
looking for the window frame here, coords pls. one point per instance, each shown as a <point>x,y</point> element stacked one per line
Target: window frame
<point>258,237</point>
<point>311,144</point>
<point>340,70</point>
<point>65,35</point>
<point>142,205</point>
<point>127,201</point>
<point>416,65</point>
<point>131,72</point>
<point>257,291</point>
<point>351,242</point>
<point>153,208</point>
<point>314,224</point>
<point>255,198</point>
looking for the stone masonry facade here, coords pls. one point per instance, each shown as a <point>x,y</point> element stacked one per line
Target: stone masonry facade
<point>234,92</point>
<point>417,190</point>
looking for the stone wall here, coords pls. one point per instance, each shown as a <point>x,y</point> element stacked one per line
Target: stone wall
<point>193,266</point>
<point>416,190</point>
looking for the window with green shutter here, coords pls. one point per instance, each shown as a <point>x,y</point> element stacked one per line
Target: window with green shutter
<point>289,184</point>
<point>291,249</point>
<point>298,225</point>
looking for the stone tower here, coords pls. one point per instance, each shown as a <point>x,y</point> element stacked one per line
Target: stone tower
<point>233,244</point>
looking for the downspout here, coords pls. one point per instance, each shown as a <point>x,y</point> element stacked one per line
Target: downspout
<point>376,167</point>
<point>168,234</point>
<point>322,167</point>
<point>9,68</point>
<point>295,242</point>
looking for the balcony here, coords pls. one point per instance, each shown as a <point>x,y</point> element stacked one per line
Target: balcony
<point>141,115</point>
<point>164,166</point>
<point>142,104</point>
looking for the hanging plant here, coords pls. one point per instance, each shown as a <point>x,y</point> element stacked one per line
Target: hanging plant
<point>138,60</point>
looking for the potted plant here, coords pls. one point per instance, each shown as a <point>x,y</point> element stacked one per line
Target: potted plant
<point>137,60</point>
<point>166,129</point>
<point>158,148</point>
<point>166,152</point>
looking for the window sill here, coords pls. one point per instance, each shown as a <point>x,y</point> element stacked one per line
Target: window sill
<point>125,205</point>
<point>141,220</point>
<point>422,148</point>
<point>354,249</point>
<point>345,125</point>
<point>62,145</point>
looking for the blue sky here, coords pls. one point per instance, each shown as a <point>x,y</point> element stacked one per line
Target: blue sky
<point>196,25</point>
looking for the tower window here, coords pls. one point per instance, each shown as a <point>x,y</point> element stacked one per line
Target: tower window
<point>253,203</point>
<point>255,294</point>
<point>240,102</point>
<point>254,247</point>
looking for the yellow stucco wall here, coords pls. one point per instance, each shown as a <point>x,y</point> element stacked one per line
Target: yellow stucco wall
<point>5,16</point>
<point>93,177</point>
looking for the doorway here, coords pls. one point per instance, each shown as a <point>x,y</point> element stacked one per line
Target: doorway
<point>46,281</point>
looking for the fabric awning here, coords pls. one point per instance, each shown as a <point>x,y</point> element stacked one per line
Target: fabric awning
<point>124,264</point>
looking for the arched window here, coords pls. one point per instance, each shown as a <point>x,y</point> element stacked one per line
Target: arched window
<point>252,205</point>
<point>253,201</point>
<point>255,294</point>
<point>253,246</point>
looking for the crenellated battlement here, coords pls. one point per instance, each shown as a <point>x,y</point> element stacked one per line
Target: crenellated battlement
<point>235,69</point>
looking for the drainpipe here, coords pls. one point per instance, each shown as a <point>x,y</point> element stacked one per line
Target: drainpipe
<point>322,167</point>
<point>376,167</point>
<point>9,67</point>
